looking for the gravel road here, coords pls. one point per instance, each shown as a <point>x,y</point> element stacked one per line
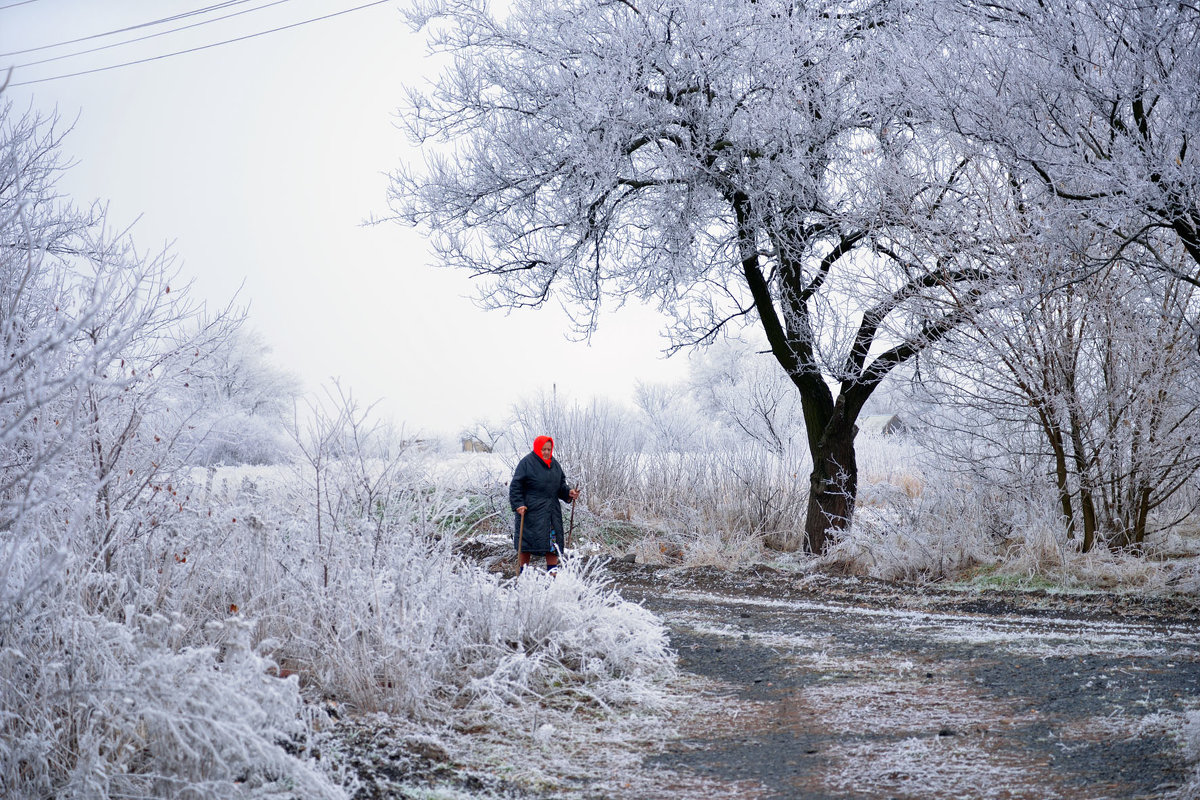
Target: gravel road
<point>842,687</point>
<point>821,687</point>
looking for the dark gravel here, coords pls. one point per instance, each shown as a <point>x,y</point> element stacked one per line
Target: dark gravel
<point>1007,694</point>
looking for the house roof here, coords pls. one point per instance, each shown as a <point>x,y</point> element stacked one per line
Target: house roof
<point>882,423</point>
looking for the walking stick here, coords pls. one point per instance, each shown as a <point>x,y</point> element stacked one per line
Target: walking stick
<point>520,539</point>
<point>571,529</point>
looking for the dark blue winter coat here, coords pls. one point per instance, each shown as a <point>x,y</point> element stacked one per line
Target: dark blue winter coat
<point>538,488</point>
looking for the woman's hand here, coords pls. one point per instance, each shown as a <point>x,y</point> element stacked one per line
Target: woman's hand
<point>573,493</point>
<point>521,510</point>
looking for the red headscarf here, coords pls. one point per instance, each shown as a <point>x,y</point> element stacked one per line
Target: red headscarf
<point>539,443</point>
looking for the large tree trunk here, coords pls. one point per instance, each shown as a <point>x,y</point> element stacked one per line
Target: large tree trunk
<point>833,485</point>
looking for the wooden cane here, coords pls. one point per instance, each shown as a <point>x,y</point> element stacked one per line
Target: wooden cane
<point>520,539</point>
<point>571,529</point>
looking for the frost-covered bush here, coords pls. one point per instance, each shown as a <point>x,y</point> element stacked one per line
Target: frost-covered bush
<point>105,708</point>
<point>934,536</point>
<point>952,530</point>
<point>98,695</point>
<point>378,613</point>
<point>727,489</point>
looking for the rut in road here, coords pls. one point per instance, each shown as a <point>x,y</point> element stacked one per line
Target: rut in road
<point>847,688</point>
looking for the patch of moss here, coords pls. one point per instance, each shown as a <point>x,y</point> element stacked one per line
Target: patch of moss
<point>988,578</point>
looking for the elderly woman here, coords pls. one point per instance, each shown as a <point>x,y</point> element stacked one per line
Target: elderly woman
<point>538,484</point>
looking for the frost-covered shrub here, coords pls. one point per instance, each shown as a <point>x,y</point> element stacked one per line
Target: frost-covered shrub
<point>934,536</point>
<point>565,640</point>
<point>950,531</point>
<point>382,615</point>
<point>728,491</point>
<point>97,707</point>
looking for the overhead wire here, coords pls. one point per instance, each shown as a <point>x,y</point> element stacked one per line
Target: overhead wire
<point>201,47</point>
<point>14,5</point>
<point>184,15</point>
<point>147,36</point>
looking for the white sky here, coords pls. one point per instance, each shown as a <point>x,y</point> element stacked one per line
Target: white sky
<point>259,159</point>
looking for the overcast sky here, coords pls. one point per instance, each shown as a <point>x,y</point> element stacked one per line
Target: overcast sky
<point>258,160</point>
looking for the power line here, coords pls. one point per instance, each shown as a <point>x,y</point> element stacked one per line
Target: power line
<point>147,36</point>
<point>174,18</point>
<point>202,47</point>
<point>14,5</point>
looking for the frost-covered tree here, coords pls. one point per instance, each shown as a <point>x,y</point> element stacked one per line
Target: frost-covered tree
<point>95,683</point>
<point>1096,100</point>
<point>748,394</point>
<point>43,371</point>
<point>671,417</point>
<point>243,402</point>
<point>1091,391</point>
<point>243,374</point>
<point>738,163</point>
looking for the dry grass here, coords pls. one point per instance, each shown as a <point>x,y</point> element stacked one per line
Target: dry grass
<point>912,523</point>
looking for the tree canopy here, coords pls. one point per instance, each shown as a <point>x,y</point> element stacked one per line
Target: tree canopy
<point>854,178</point>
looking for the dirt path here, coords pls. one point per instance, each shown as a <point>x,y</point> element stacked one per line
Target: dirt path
<point>850,688</point>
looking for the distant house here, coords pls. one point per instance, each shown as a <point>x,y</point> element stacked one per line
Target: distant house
<point>472,445</point>
<point>883,424</point>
